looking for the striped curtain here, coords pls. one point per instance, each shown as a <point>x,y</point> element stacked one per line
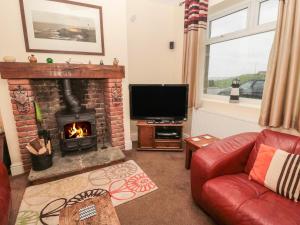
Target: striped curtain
<point>195,23</point>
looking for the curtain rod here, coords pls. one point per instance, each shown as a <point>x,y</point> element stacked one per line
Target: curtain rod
<point>181,3</point>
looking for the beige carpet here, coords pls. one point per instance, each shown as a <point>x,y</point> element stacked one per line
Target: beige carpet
<point>124,181</point>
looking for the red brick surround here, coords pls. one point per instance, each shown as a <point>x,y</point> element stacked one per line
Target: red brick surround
<point>98,94</point>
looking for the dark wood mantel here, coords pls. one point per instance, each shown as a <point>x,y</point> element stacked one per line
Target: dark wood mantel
<point>19,70</point>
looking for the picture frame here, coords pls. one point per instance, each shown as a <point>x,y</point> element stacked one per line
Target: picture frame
<point>61,26</point>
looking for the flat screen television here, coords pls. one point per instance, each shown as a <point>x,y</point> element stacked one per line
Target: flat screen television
<point>158,102</point>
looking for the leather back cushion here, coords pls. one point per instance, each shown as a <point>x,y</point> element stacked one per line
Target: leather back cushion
<point>277,170</point>
<point>289,143</point>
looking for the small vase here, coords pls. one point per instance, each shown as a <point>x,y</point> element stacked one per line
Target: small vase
<point>32,59</point>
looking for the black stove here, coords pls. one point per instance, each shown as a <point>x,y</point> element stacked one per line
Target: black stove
<point>77,126</point>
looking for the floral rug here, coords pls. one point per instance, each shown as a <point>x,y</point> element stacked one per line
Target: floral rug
<point>41,203</point>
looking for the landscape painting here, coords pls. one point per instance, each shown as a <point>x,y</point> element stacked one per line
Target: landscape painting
<point>63,27</point>
<point>60,26</point>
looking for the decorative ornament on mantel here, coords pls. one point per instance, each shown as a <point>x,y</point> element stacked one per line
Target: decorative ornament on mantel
<point>116,94</point>
<point>69,61</point>
<point>20,95</point>
<point>116,62</point>
<point>49,60</point>
<point>32,59</point>
<point>9,58</point>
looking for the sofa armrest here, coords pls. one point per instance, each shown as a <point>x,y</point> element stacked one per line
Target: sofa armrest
<point>227,156</point>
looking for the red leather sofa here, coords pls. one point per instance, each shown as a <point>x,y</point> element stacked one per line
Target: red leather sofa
<point>220,184</point>
<point>5,195</point>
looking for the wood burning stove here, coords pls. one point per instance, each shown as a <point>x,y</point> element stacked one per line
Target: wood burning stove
<point>77,126</point>
<point>77,130</point>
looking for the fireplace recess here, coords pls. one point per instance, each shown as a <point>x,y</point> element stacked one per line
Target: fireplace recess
<point>76,126</point>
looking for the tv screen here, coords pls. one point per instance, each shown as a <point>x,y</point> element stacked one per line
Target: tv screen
<point>158,102</point>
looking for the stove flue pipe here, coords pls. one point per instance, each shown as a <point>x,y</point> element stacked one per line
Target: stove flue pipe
<point>70,98</point>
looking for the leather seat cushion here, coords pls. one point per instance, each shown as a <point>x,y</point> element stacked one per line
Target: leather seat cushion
<point>234,199</point>
<point>269,209</point>
<point>223,196</point>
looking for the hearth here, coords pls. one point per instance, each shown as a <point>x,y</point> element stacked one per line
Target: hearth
<point>76,126</point>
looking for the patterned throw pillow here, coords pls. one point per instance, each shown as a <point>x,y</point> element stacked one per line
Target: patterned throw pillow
<point>277,170</point>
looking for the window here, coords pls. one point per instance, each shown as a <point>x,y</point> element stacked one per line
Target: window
<point>268,11</point>
<point>227,24</point>
<point>238,46</point>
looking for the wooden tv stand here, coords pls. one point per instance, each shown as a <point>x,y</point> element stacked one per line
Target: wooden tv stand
<point>159,136</point>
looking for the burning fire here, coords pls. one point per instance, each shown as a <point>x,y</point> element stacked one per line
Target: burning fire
<point>77,132</point>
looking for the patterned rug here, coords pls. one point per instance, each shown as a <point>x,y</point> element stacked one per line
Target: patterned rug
<point>41,203</point>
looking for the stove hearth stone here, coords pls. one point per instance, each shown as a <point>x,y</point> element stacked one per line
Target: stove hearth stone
<point>76,163</point>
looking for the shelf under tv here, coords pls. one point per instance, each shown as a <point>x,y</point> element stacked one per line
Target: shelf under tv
<point>159,136</point>
<point>164,121</point>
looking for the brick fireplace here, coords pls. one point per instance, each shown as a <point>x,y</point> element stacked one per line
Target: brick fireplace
<point>98,88</point>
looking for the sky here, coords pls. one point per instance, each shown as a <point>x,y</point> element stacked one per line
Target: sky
<point>240,56</point>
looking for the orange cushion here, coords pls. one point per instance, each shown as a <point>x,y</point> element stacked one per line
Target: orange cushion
<point>277,170</point>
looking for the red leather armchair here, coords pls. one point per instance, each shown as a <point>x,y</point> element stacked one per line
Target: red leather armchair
<point>220,184</point>
<point>5,197</point>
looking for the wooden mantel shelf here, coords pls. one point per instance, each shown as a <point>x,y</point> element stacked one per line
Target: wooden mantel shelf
<point>19,70</point>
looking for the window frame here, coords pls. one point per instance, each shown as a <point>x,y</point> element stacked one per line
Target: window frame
<point>252,28</point>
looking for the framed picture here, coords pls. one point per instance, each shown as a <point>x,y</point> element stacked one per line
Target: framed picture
<point>60,26</point>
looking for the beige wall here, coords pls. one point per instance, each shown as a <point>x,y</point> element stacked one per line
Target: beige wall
<point>151,25</point>
<point>12,43</point>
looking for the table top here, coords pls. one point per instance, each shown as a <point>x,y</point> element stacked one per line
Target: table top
<point>106,214</point>
<point>201,140</point>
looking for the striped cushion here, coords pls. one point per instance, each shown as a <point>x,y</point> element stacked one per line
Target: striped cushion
<point>277,170</point>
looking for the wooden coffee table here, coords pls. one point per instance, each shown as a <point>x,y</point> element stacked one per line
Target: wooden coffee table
<point>194,143</point>
<point>106,213</point>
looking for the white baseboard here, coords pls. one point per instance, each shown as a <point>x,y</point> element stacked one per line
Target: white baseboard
<point>128,145</point>
<point>16,169</point>
<point>134,136</point>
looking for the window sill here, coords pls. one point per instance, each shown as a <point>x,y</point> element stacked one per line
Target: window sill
<point>246,110</point>
<point>244,102</point>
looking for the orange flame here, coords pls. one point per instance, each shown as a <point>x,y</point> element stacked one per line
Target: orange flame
<point>79,132</point>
